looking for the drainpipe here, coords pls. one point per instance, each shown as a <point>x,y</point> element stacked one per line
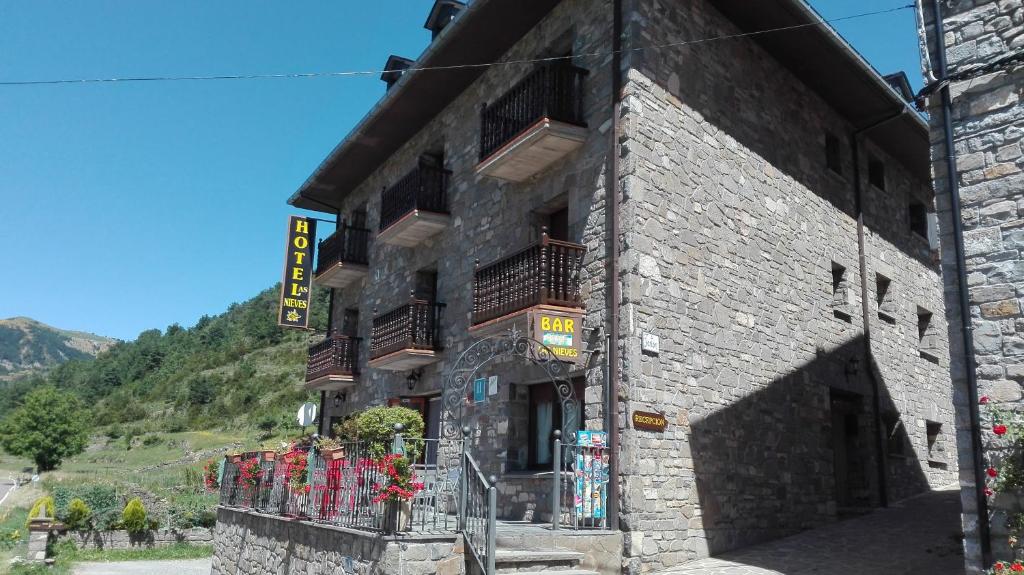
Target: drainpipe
<point>865,310</point>
<point>612,288</point>
<point>965,304</point>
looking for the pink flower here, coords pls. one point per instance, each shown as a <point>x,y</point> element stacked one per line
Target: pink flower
<point>999,429</point>
<point>989,492</point>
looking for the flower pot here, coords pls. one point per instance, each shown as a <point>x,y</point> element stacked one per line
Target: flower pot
<point>235,458</point>
<point>397,516</point>
<point>334,453</point>
<point>269,455</point>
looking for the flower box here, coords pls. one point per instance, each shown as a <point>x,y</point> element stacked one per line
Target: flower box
<point>269,455</point>
<point>235,458</point>
<point>333,453</point>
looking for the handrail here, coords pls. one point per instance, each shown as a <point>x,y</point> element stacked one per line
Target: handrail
<point>346,245</point>
<point>335,355</point>
<point>478,513</point>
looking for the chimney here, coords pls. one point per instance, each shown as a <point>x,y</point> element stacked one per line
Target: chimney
<point>443,12</point>
<point>899,82</point>
<point>394,69</point>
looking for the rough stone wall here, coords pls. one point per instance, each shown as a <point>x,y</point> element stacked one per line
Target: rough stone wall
<point>249,543</point>
<point>988,125</point>
<point>125,540</point>
<point>734,225</point>
<point>489,220</point>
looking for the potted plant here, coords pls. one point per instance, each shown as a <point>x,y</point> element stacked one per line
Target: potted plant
<point>396,491</point>
<point>297,470</point>
<point>235,458</point>
<point>211,475</point>
<point>330,449</point>
<point>249,473</point>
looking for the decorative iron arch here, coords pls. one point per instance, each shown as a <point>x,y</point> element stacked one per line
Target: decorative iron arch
<point>512,344</point>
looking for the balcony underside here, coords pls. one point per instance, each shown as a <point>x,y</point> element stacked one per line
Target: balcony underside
<point>532,151</point>
<point>340,275</point>
<point>405,359</point>
<point>413,228</point>
<point>331,382</point>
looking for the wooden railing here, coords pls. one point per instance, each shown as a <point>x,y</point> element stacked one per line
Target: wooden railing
<point>553,91</point>
<point>336,355</point>
<point>346,245</point>
<point>411,326</point>
<point>546,273</point>
<point>425,188</point>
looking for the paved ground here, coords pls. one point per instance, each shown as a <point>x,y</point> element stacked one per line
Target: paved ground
<point>919,535</point>
<point>7,486</point>
<point>183,567</point>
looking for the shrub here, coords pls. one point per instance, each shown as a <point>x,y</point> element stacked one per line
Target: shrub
<point>40,503</point>
<point>151,440</point>
<point>377,427</point>
<point>133,518</point>
<point>79,515</point>
<point>189,512</point>
<point>102,500</point>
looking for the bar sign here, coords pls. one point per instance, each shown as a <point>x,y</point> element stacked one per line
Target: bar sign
<point>296,287</point>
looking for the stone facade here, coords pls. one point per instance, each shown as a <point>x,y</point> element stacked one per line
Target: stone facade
<point>125,540</point>
<point>739,256</point>
<point>249,543</point>
<point>988,127</point>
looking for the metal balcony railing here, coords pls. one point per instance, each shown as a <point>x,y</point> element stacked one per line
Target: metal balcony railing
<point>411,326</point>
<point>425,189</point>
<point>336,355</point>
<point>346,245</point>
<point>546,273</point>
<point>553,91</point>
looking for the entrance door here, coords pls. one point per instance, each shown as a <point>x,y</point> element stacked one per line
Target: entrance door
<point>849,457</point>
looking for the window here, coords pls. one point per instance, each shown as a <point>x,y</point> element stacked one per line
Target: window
<point>927,335</point>
<point>833,158</point>
<point>918,213</point>
<point>841,295</point>
<point>876,173</point>
<point>936,445</point>
<point>545,416</point>
<point>894,435</point>
<point>558,224</point>
<point>884,299</point>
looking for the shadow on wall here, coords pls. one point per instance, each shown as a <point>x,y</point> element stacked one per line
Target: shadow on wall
<point>797,454</point>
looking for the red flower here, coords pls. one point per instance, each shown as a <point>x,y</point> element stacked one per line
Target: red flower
<point>989,492</point>
<point>1016,566</point>
<point>999,566</point>
<point>999,429</point>
<point>992,472</point>
<point>983,400</point>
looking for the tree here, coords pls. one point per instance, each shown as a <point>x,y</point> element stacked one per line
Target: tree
<point>48,427</point>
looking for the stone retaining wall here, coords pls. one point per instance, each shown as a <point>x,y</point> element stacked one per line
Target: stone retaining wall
<point>250,543</point>
<point>125,540</point>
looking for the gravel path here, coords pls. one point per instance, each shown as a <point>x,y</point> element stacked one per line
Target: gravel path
<point>918,535</point>
<point>181,567</point>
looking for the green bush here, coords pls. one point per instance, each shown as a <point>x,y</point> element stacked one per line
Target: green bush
<point>193,511</point>
<point>40,503</point>
<point>133,518</point>
<point>102,499</point>
<point>79,516</point>
<point>151,440</point>
<point>377,427</point>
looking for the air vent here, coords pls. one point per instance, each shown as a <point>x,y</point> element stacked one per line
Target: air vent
<point>442,14</point>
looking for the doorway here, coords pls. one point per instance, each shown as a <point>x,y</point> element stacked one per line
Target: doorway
<point>850,458</point>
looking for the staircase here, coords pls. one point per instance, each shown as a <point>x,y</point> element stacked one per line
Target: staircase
<point>543,562</point>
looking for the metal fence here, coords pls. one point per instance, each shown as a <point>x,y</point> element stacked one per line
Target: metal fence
<point>478,513</point>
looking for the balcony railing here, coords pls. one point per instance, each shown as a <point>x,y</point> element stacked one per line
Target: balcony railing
<point>413,326</point>
<point>347,245</point>
<point>425,189</point>
<point>338,355</point>
<point>553,91</point>
<point>546,273</point>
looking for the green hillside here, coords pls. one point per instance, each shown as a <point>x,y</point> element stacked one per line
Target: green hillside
<point>27,345</point>
<point>236,369</point>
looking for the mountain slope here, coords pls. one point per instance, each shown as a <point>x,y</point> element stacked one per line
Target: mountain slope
<point>27,345</point>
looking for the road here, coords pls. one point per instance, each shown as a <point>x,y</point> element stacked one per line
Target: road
<point>177,567</point>
<point>7,487</point>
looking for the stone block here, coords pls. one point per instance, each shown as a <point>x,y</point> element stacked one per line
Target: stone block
<point>981,241</point>
<point>1001,309</point>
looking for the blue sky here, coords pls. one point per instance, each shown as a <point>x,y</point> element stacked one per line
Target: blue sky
<point>130,206</point>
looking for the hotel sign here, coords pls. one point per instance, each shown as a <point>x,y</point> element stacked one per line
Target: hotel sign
<point>560,332</point>
<point>647,421</point>
<point>296,287</point>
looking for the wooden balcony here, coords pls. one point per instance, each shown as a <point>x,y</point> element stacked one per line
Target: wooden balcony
<point>544,275</point>
<point>535,124</point>
<point>333,363</point>
<point>342,257</point>
<point>407,337</point>
<point>415,208</point>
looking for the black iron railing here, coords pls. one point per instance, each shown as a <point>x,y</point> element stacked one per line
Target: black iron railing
<point>546,273</point>
<point>336,355</point>
<point>553,91</point>
<point>411,326</point>
<point>346,245</point>
<point>425,189</point>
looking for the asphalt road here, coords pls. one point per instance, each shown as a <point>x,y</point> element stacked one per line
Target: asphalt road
<point>181,567</point>
<point>7,485</point>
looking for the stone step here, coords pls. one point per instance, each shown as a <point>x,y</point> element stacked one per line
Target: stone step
<point>529,561</point>
<point>559,572</point>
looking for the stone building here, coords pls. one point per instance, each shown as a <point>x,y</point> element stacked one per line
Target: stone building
<point>738,235</point>
<point>981,54</point>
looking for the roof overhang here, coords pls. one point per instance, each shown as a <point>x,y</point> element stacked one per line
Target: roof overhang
<point>830,66</point>
<point>481,34</point>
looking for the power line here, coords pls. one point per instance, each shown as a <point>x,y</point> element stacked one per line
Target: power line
<point>340,74</point>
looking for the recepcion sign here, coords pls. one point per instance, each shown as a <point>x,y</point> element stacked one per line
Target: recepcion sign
<point>560,332</point>
<point>647,421</point>
<point>298,273</point>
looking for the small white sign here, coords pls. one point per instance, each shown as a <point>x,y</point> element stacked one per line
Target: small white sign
<point>307,414</point>
<point>650,343</point>
<point>492,385</point>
